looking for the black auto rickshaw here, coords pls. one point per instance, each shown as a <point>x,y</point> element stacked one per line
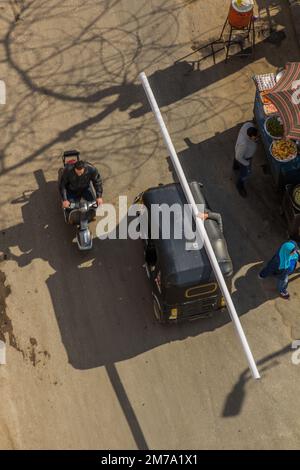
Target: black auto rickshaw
<point>182,279</point>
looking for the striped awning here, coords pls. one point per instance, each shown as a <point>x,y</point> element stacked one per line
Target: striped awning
<point>286,97</point>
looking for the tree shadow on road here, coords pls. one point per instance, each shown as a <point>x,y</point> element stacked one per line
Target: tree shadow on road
<point>102,300</point>
<point>51,79</point>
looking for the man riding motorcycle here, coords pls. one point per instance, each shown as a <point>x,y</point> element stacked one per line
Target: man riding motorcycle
<point>75,183</point>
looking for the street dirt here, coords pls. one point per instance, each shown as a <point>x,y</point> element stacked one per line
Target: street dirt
<point>87,365</point>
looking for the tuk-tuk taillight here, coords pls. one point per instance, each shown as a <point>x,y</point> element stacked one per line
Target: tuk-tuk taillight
<point>174,314</point>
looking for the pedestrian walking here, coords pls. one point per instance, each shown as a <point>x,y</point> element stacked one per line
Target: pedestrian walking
<point>283,263</point>
<point>245,148</point>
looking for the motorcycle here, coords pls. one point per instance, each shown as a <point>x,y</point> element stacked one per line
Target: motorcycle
<point>80,213</point>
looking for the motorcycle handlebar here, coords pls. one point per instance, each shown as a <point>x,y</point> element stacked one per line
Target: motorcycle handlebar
<point>76,205</point>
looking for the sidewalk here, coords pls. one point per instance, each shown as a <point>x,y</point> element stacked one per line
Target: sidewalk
<point>295,9</point>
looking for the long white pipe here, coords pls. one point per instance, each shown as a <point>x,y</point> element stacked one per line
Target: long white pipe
<point>200,225</point>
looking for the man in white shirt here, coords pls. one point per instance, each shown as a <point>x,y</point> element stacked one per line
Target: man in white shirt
<point>245,149</point>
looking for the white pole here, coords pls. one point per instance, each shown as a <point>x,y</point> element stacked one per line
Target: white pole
<point>200,225</point>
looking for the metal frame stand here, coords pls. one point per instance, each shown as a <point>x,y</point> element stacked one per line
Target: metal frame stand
<point>230,42</point>
<point>225,44</point>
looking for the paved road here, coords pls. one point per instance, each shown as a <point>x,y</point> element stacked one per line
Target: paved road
<point>88,367</point>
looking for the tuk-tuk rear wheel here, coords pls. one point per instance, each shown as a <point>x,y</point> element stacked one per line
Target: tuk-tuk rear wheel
<point>157,310</point>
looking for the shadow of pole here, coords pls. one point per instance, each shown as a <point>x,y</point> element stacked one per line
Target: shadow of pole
<point>125,404</point>
<point>236,397</point>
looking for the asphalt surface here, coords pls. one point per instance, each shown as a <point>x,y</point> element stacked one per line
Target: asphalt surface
<point>87,365</point>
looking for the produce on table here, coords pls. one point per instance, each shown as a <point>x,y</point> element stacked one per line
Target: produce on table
<point>264,98</point>
<point>284,149</point>
<point>270,109</point>
<point>274,127</point>
<point>265,81</point>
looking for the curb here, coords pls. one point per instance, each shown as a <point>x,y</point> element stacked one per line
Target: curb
<point>295,10</point>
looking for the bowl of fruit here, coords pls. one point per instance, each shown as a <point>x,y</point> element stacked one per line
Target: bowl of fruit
<point>274,127</point>
<point>283,150</point>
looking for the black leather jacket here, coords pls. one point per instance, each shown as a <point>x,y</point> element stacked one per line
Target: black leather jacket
<point>70,181</point>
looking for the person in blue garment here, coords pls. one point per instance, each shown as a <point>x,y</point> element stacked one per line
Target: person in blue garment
<point>283,263</point>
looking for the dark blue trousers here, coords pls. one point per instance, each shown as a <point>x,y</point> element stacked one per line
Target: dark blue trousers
<point>272,269</point>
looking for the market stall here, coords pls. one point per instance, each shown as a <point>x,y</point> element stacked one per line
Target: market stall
<point>277,113</point>
<point>286,171</point>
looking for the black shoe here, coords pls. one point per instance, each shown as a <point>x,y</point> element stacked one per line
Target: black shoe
<point>241,189</point>
<point>284,294</point>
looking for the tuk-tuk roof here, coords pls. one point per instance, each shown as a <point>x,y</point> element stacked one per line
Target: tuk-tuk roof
<point>180,266</point>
